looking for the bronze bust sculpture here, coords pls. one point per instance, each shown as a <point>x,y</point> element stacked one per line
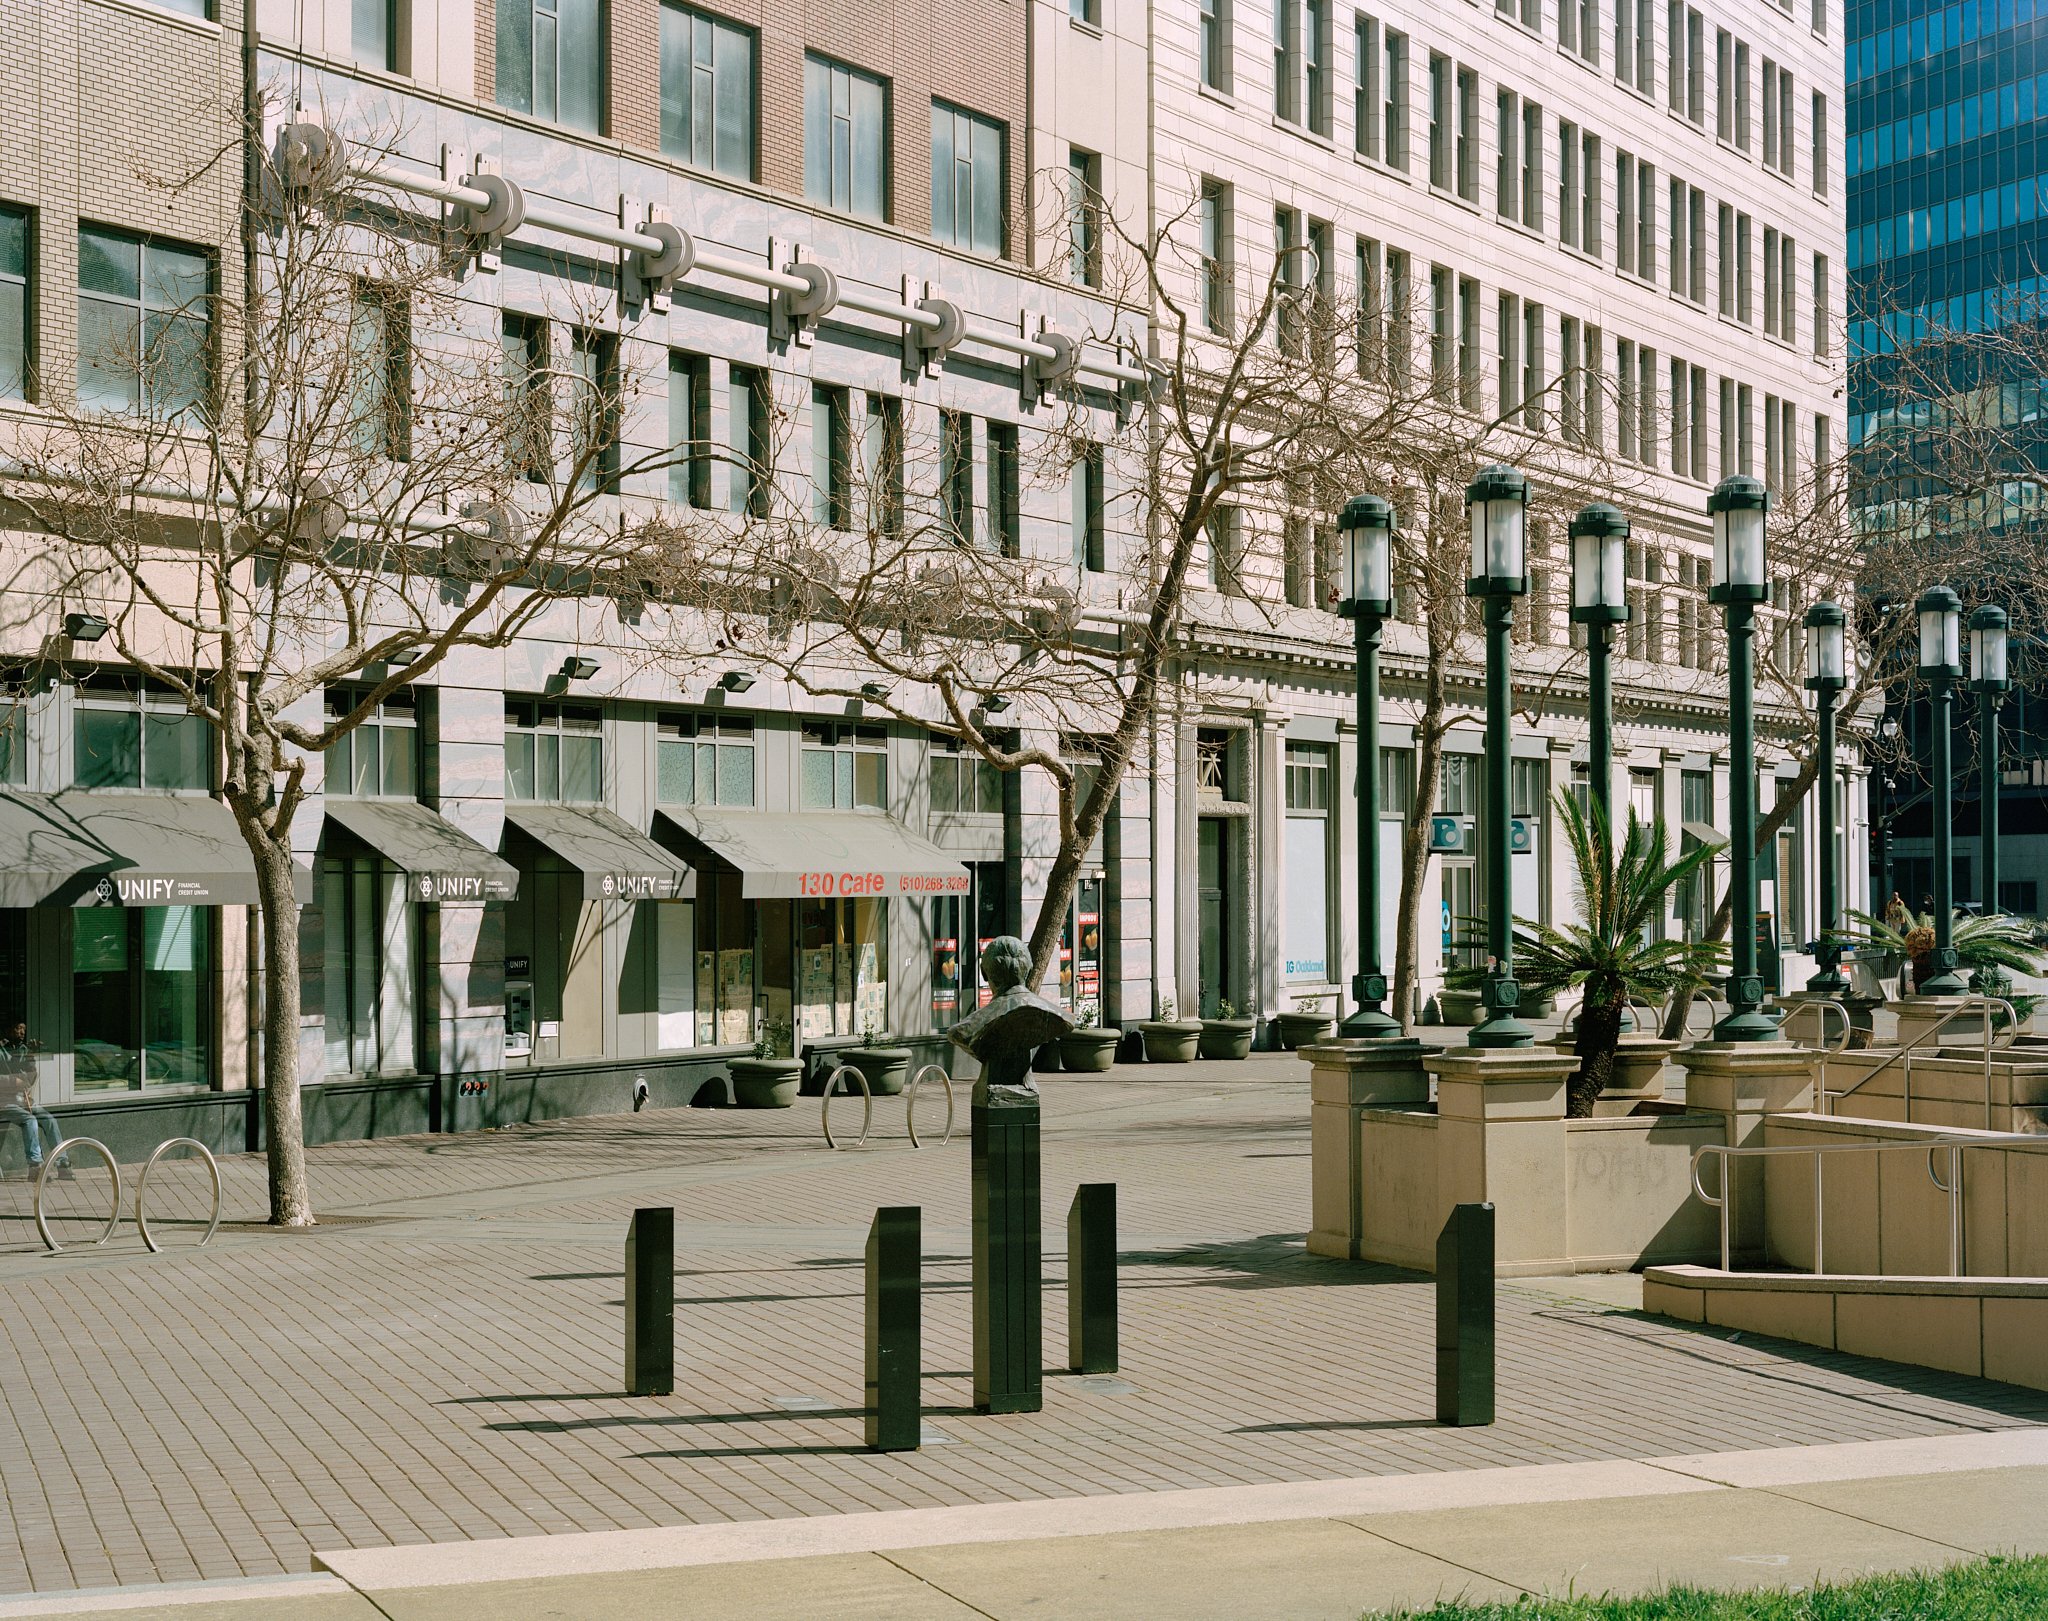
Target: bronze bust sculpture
<point>1007,1033</point>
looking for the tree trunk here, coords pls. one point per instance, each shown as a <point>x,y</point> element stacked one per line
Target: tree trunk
<point>1599,1036</point>
<point>291,1198</point>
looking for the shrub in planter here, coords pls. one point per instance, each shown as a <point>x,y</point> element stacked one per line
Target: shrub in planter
<point>1169,1040</point>
<point>1090,1047</point>
<point>885,1069</point>
<point>1226,1035</point>
<point>1303,1025</point>
<point>770,1079</point>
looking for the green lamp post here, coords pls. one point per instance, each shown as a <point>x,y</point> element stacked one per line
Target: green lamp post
<point>1826,674</point>
<point>1738,583</point>
<point>1367,525</point>
<point>1497,503</point>
<point>1941,613</point>
<point>1599,536</point>
<point>1987,676</point>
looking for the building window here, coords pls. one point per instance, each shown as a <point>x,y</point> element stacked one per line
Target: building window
<point>1742,96</point>
<point>1822,320</point>
<point>1005,490</point>
<point>373,33</point>
<point>689,429</point>
<point>1214,209</point>
<point>1090,542</point>
<point>963,783</point>
<point>967,180</point>
<point>1400,318</point>
<point>704,759</point>
<point>1578,28</point>
<point>1771,298</point>
<point>882,464</point>
<point>1290,275</point>
<point>1086,11</point>
<point>380,341</point>
<point>14,743</point>
<point>845,138</point>
<point>707,91</point>
<point>1215,44</point>
<point>594,402</point>
<point>1468,343</point>
<point>1819,155</point>
<point>844,766</point>
<point>831,457</point>
<point>1306,950</point>
<point>1287,60</point>
<point>142,1001</point>
<point>1468,135</point>
<point>1226,544</point>
<point>370,939</point>
<point>126,733</point>
<point>1507,179</point>
<point>1443,341</point>
<point>14,304</point>
<point>529,413</point>
<point>750,412</point>
<point>1458,784</point>
<point>1318,48</point>
<point>956,475</point>
<point>1439,121</point>
<point>551,60</point>
<point>1084,217</point>
<point>554,752</point>
<point>144,324</point>
<point>1745,252</point>
<point>380,756</point>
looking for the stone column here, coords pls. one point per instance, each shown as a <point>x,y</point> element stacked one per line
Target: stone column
<point>1501,1141</point>
<point>1743,1081</point>
<point>1346,1078</point>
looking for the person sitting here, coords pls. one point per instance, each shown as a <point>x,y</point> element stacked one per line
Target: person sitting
<point>18,1096</point>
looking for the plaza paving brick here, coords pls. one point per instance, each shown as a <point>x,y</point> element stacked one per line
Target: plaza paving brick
<point>444,1361</point>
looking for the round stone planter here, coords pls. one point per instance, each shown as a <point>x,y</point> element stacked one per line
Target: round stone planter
<point>1292,1030</point>
<point>1227,1038</point>
<point>1170,1041</point>
<point>1089,1051</point>
<point>1460,1007</point>
<point>766,1083</point>
<point>885,1068</point>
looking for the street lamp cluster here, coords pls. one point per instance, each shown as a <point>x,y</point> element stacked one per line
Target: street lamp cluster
<point>1497,504</point>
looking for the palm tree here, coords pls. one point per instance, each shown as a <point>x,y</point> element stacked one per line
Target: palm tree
<point>1608,951</point>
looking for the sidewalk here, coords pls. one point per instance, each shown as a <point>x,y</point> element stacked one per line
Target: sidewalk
<point>440,1362</point>
<point>1332,1549</point>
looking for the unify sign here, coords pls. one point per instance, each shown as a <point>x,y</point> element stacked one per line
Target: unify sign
<point>136,890</point>
<point>638,886</point>
<point>460,886</point>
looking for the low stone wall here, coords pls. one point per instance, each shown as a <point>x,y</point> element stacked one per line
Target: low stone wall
<point>1947,1087</point>
<point>1992,1328</point>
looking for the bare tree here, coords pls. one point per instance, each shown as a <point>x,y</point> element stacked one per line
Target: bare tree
<point>291,504</point>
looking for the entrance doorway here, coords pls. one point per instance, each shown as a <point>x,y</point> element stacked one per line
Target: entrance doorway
<point>1215,913</point>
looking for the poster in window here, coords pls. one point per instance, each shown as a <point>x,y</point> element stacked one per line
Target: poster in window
<point>1088,968</point>
<point>982,993</point>
<point>945,980</point>
<point>872,1010</point>
<point>736,997</point>
<point>707,997</point>
<point>1308,899</point>
<point>814,992</point>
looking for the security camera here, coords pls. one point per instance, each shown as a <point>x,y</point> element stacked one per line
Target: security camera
<point>639,1093</point>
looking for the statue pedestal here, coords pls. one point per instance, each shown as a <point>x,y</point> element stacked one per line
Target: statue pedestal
<point>1008,1348</point>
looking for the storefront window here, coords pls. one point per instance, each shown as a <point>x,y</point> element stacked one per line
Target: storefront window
<point>371,938</point>
<point>1397,781</point>
<point>141,1002</point>
<point>845,767</point>
<point>1529,787</point>
<point>1307,946</point>
<point>13,744</point>
<point>705,760</point>
<point>963,783</point>
<point>726,986</point>
<point>842,984</point>
<point>380,757</point>
<point>961,926</point>
<point>554,752</point>
<point>125,735</point>
<point>553,961</point>
<point>1458,785</point>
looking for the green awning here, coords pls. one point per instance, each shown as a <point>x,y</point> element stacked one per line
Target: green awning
<point>98,847</point>
<point>625,863</point>
<point>785,855</point>
<point>442,862</point>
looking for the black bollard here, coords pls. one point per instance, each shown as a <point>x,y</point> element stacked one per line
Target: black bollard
<point>1091,1279</point>
<point>651,1303</point>
<point>1464,1317</point>
<point>1009,1370</point>
<point>895,1329</point>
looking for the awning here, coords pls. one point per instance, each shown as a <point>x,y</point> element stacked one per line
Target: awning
<point>443,862</point>
<point>783,855</point>
<point>627,864</point>
<point>1703,833</point>
<point>86,847</point>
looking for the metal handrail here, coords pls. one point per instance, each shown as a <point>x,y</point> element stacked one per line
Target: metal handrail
<point>1969,1004</point>
<point>1822,1005</point>
<point>1954,1147</point>
<point>1692,999</point>
<point>1639,1011</point>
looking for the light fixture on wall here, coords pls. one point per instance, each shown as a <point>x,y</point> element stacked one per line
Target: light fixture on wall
<point>736,681</point>
<point>994,704</point>
<point>84,627</point>
<point>874,690</point>
<point>579,667</point>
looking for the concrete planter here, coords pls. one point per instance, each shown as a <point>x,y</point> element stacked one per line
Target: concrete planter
<point>1637,1076</point>
<point>1089,1051</point>
<point>766,1083</point>
<point>1460,1007</point>
<point>1301,1029</point>
<point>1227,1038</point>
<point>1170,1041</point>
<point>885,1069</point>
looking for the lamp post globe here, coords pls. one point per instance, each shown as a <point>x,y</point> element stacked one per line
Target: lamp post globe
<point>1738,508</point>
<point>1366,526</point>
<point>1497,505</point>
<point>1826,674</point>
<point>1941,658</point>
<point>1987,675</point>
<point>1599,537</point>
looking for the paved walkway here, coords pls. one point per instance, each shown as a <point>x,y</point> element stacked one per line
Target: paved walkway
<point>441,1361</point>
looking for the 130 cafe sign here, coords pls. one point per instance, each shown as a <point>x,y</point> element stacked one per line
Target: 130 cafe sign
<point>833,885</point>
